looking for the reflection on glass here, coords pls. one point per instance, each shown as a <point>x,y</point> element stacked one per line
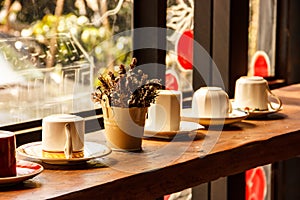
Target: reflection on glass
<point>179,58</point>
<point>53,75</point>
<point>262,34</point>
<point>46,74</point>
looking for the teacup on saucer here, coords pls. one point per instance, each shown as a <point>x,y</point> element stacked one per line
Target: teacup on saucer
<point>63,136</point>
<point>211,102</point>
<point>252,93</point>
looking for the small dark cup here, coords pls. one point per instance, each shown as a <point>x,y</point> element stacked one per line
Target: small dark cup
<point>7,154</point>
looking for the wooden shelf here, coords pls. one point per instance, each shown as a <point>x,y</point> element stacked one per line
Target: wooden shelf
<point>165,167</point>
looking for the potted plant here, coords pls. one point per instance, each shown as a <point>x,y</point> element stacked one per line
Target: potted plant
<point>125,96</point>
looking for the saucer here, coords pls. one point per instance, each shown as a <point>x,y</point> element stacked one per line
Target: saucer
<point>25,170</point>
<point>91,150</point>
<point>235,116</point>
<point>185,129</point>
<point>258,113</point>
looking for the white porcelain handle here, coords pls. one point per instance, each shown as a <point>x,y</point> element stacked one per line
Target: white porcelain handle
<point>277,99</point>
<point>68,146</point>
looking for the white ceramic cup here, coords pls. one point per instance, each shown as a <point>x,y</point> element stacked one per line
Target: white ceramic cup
<point>211,102</point>
<point>252,92</point>
<point>63,133</point>
<point>164,114</point>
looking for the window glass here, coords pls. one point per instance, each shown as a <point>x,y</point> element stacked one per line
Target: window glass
<point>52,51</point>
<point>262,37</point>
<point>180,20</point>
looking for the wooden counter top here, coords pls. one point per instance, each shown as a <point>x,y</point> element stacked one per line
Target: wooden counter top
<point>169,166</point>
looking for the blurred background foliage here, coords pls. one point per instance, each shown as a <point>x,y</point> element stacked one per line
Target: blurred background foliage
<point>92,22</point>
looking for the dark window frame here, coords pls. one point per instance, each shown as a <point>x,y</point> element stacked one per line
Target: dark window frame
<point>225,36</point>
<point>150,14</point>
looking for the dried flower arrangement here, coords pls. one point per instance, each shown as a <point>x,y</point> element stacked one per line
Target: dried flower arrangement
<point>126,88</point>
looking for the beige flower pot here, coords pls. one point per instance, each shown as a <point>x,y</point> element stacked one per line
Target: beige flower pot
<point>124,127</point>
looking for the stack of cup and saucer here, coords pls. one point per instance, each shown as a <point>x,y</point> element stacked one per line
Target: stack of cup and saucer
<point>252,95</point>
<point>63,142</point>
<point>164,117</point>
<point>211,106</point>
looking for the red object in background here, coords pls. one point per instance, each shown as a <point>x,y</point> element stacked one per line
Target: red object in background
<point>256,184</point>
<point>260,64</point>
<point>185,49</point>
<point>172,82</point>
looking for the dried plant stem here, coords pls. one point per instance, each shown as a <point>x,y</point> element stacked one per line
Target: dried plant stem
<point>131,88</point>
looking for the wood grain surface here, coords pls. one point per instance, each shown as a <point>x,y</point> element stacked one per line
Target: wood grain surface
<point>166,166</point>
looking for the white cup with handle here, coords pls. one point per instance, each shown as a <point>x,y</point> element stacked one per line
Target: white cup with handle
<point>211,102</point>
<point>252,93</point>
<point>63,134</point>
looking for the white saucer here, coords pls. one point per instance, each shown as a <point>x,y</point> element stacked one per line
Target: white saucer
<point>91,150</point>
<point>235,116</point>
<point>25,170</point>
<point>185,129</point>
<point>259,113</point>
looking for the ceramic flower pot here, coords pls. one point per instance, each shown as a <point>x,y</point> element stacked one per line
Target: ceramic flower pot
<point>124,127</point>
